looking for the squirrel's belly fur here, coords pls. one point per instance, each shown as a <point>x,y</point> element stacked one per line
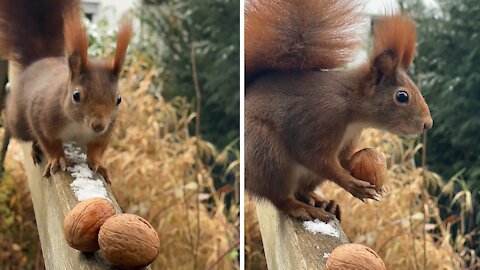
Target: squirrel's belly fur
<point>77,132</point>
<point>351,131</point>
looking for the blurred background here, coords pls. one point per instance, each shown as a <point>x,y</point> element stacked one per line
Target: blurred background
<point>430,218</point>
<point>174,157</point>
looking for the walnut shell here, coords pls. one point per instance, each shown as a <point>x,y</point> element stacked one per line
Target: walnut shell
<point>128,241</point>
<point>369,165</point>
<point>83,222</point>
<point>354,257</point>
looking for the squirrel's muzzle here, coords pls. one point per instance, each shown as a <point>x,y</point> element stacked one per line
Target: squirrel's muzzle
<point>99,126</point>
<point>427,116</point>
<point>428,124</point>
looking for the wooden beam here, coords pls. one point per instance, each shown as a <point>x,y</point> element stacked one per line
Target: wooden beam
<point>52,200</point>
<point>288,245</point>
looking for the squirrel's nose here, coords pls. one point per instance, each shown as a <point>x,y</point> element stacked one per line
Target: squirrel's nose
<point>428,124</point>
<point>98,127</point>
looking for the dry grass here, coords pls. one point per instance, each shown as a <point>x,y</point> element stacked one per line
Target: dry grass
<point>400,227</point>
<point>159,172</point>
<point>254,254</point>
<point>19,242</point>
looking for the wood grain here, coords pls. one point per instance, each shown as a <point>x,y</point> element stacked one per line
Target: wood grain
<point>288,245</point>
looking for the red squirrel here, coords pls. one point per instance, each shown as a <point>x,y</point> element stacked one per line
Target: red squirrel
<point>61,95</point>
<point>302,122</point>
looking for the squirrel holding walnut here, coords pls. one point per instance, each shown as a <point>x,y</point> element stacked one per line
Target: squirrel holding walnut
<point>304,113</point>
<point>61,95</point>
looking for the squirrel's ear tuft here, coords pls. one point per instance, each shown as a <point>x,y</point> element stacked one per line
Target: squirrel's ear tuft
<point>123,39</point>
<point>76,42</point>
<point>385,64</point>
<point>396,33</point>
<point>75,64</point>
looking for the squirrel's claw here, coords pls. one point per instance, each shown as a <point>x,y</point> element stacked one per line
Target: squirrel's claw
<point>55,165</point>
<point>383,191</point>
<point>104,173</point>
<point>303,211</point>
<point>377,197</point>
<point>37,154</point>
<point>362,190</point>
<point>315,200</point>
<point>96,166</point>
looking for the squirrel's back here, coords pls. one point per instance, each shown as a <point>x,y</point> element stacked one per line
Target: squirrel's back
<point>294,35</point>
<point>31,30</point>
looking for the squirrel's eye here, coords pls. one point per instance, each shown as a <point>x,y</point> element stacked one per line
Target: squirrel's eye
<point>401,96</point>
<point>76,95</point>
<point>119,100</point>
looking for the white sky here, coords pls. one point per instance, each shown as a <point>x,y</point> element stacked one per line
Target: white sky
<point>379,6</point>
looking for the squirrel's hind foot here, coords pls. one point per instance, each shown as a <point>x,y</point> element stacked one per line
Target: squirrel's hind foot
<point>313,199</point>
<point>303,211</point>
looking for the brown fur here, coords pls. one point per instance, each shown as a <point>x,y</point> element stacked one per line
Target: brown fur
<point>124,36</point>
<point>301,35</point>
<point>76,37</point>
<point>41,107</point>
<point>302,127</point>
<point>24,24</point>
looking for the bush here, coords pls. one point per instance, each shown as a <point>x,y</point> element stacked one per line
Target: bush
<point>447,66</point>
<point>208,31</point>
<point>447,69</point>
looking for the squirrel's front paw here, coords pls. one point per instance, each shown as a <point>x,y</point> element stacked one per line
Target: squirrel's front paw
<point>54,165</point>
<point>362,190</point>
<point>96,166</point>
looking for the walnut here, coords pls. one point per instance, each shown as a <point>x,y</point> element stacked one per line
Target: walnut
<point>354,257</point>
<point>82,224</point>
<point>369,165</point>
<point>128,241</point>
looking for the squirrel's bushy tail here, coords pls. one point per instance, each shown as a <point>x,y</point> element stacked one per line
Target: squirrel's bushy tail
<point>31,30</point>
<point>291,35</point>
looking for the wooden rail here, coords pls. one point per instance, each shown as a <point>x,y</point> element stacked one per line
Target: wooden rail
<point>53,199</point>
<point>289,245</point>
